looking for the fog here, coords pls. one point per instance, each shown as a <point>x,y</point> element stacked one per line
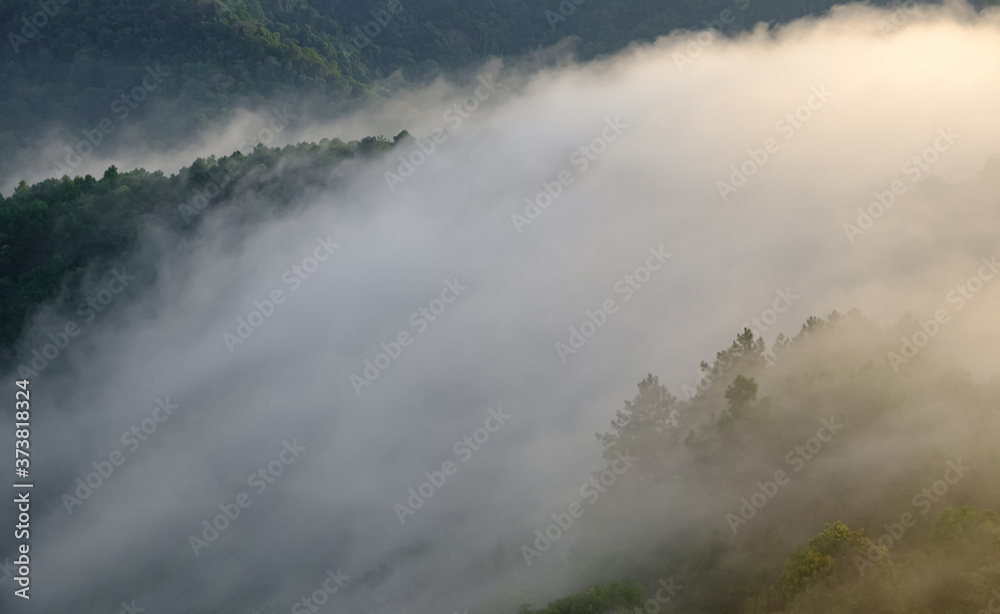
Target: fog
<point>667,128</point>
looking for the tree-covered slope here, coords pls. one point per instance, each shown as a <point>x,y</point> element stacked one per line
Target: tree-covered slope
<point>68,63</point>
<point>811,478</point>
<point>58,231</point>
<point>955,569</point>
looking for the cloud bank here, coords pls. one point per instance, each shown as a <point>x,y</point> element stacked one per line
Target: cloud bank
<point>545,241</point>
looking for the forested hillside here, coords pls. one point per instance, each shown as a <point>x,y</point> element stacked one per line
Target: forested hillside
<point>758,491</point>
<point>843,464</point>
<point>60,230</point>
<point>924,537</point>
<point>76,64</point>
<point>820,526</point>
<point>72,64</point>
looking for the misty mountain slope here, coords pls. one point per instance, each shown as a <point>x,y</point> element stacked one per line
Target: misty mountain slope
<point>684,510</point>
<point>952,568</point>
<point>70,232</point>
<point>72,65</point>
<point>383,372</point>
<point>664,522</point>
